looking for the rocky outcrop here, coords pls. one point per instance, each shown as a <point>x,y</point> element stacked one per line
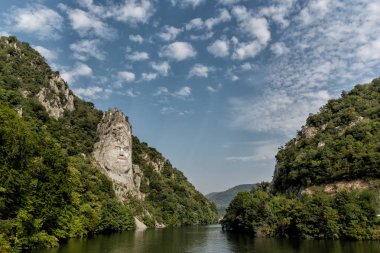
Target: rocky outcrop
<point>113,152</point>
<point>333,188</point>
<point>57,98</point>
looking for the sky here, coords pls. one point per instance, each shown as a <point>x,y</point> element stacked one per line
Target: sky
<point>217,86</point>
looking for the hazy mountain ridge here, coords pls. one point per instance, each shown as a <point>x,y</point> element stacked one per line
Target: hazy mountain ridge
<point>222,199</point>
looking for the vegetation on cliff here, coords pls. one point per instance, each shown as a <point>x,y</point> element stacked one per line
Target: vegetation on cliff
<point>340,143</point>
<point>50,187</point>
<point>170,198</point>
<point>343,142</point>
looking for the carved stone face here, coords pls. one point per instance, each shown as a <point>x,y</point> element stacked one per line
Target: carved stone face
<point>123,152</point>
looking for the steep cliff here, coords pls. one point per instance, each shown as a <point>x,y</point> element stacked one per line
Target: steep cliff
<point>113,152</point>
<point>57,98</point>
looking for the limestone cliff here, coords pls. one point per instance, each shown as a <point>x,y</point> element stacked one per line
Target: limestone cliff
<point>57,98</point>
<point>113,152</point>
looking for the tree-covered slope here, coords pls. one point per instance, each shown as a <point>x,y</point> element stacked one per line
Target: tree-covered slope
<point>47,196</point>
<point>170,198</point>
<point>341,142</point>
<point>222,199</point>
<point>326,183</point>
<point>50,186</point>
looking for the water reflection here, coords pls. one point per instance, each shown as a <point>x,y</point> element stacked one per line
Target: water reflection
<point>208,239</point>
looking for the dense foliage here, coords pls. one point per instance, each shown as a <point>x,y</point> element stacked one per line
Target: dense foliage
<point>346,215</point>
<point>345,145</point>
<point>170,198</point>
<point>45,195</point>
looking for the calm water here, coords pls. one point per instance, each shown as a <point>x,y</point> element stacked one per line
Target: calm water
<point>207,239</point>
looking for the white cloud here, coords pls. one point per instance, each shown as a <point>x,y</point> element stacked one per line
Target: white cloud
<point>279,48</point>
<point>224,16</point>
<point>84,49</point>
<point>169,33</point>
<point>138,56</point>
<point>79,70</point>
<point>234,78</point>
<point>86,23</point>
<point>49,55</point>
<point>257,28</point>
<point>229,2</point>
<point>148,76</point>
<point>161,67</point>
<point>136,38</point>
<point>161,91</point>
<point>131,93</point>
<point>36,20</point>
<point>246,66</point>
<point>277,111</point>
<point>247,50</point>
<point>369,51</point>
<point>183,92</point>
<point>187,3</point>
<point>196,23</point>
<point>178,51</point>
<point>262,153</point>
<point>133,11</point>
<point>279,12</point>
<point>316,10</point>
<point>200,70</point>
<point>203,36</point>
<point>126,76</point>
<point>92,92</point>
<point>219,48</point>
<point>212,89</point>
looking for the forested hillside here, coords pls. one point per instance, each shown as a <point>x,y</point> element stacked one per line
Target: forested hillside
<point>51,188</point>
<point>326,182</point>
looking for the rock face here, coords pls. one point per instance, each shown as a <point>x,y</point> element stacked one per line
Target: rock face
<point>57,98</point>
<point>113,152</point>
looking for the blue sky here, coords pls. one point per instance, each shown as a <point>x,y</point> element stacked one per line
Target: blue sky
<point>216,86</point>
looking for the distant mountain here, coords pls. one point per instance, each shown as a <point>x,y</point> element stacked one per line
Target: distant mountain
<point>222,199</point>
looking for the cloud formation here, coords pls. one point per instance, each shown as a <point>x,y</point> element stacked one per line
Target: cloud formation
<point>178,51</point>
<point>85,49</point>
<point>200,70</point>
<point>49,55</point>
<point>79,70</point>
<point>219,48</point>
<point>36,20</point>
<point>138,56</point>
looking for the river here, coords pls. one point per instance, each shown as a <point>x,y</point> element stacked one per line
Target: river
<point>204,239</point>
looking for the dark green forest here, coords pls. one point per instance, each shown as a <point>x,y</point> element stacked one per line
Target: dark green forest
<point>50,187</point>
<point>338,144</point>
<point>349,215</point>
